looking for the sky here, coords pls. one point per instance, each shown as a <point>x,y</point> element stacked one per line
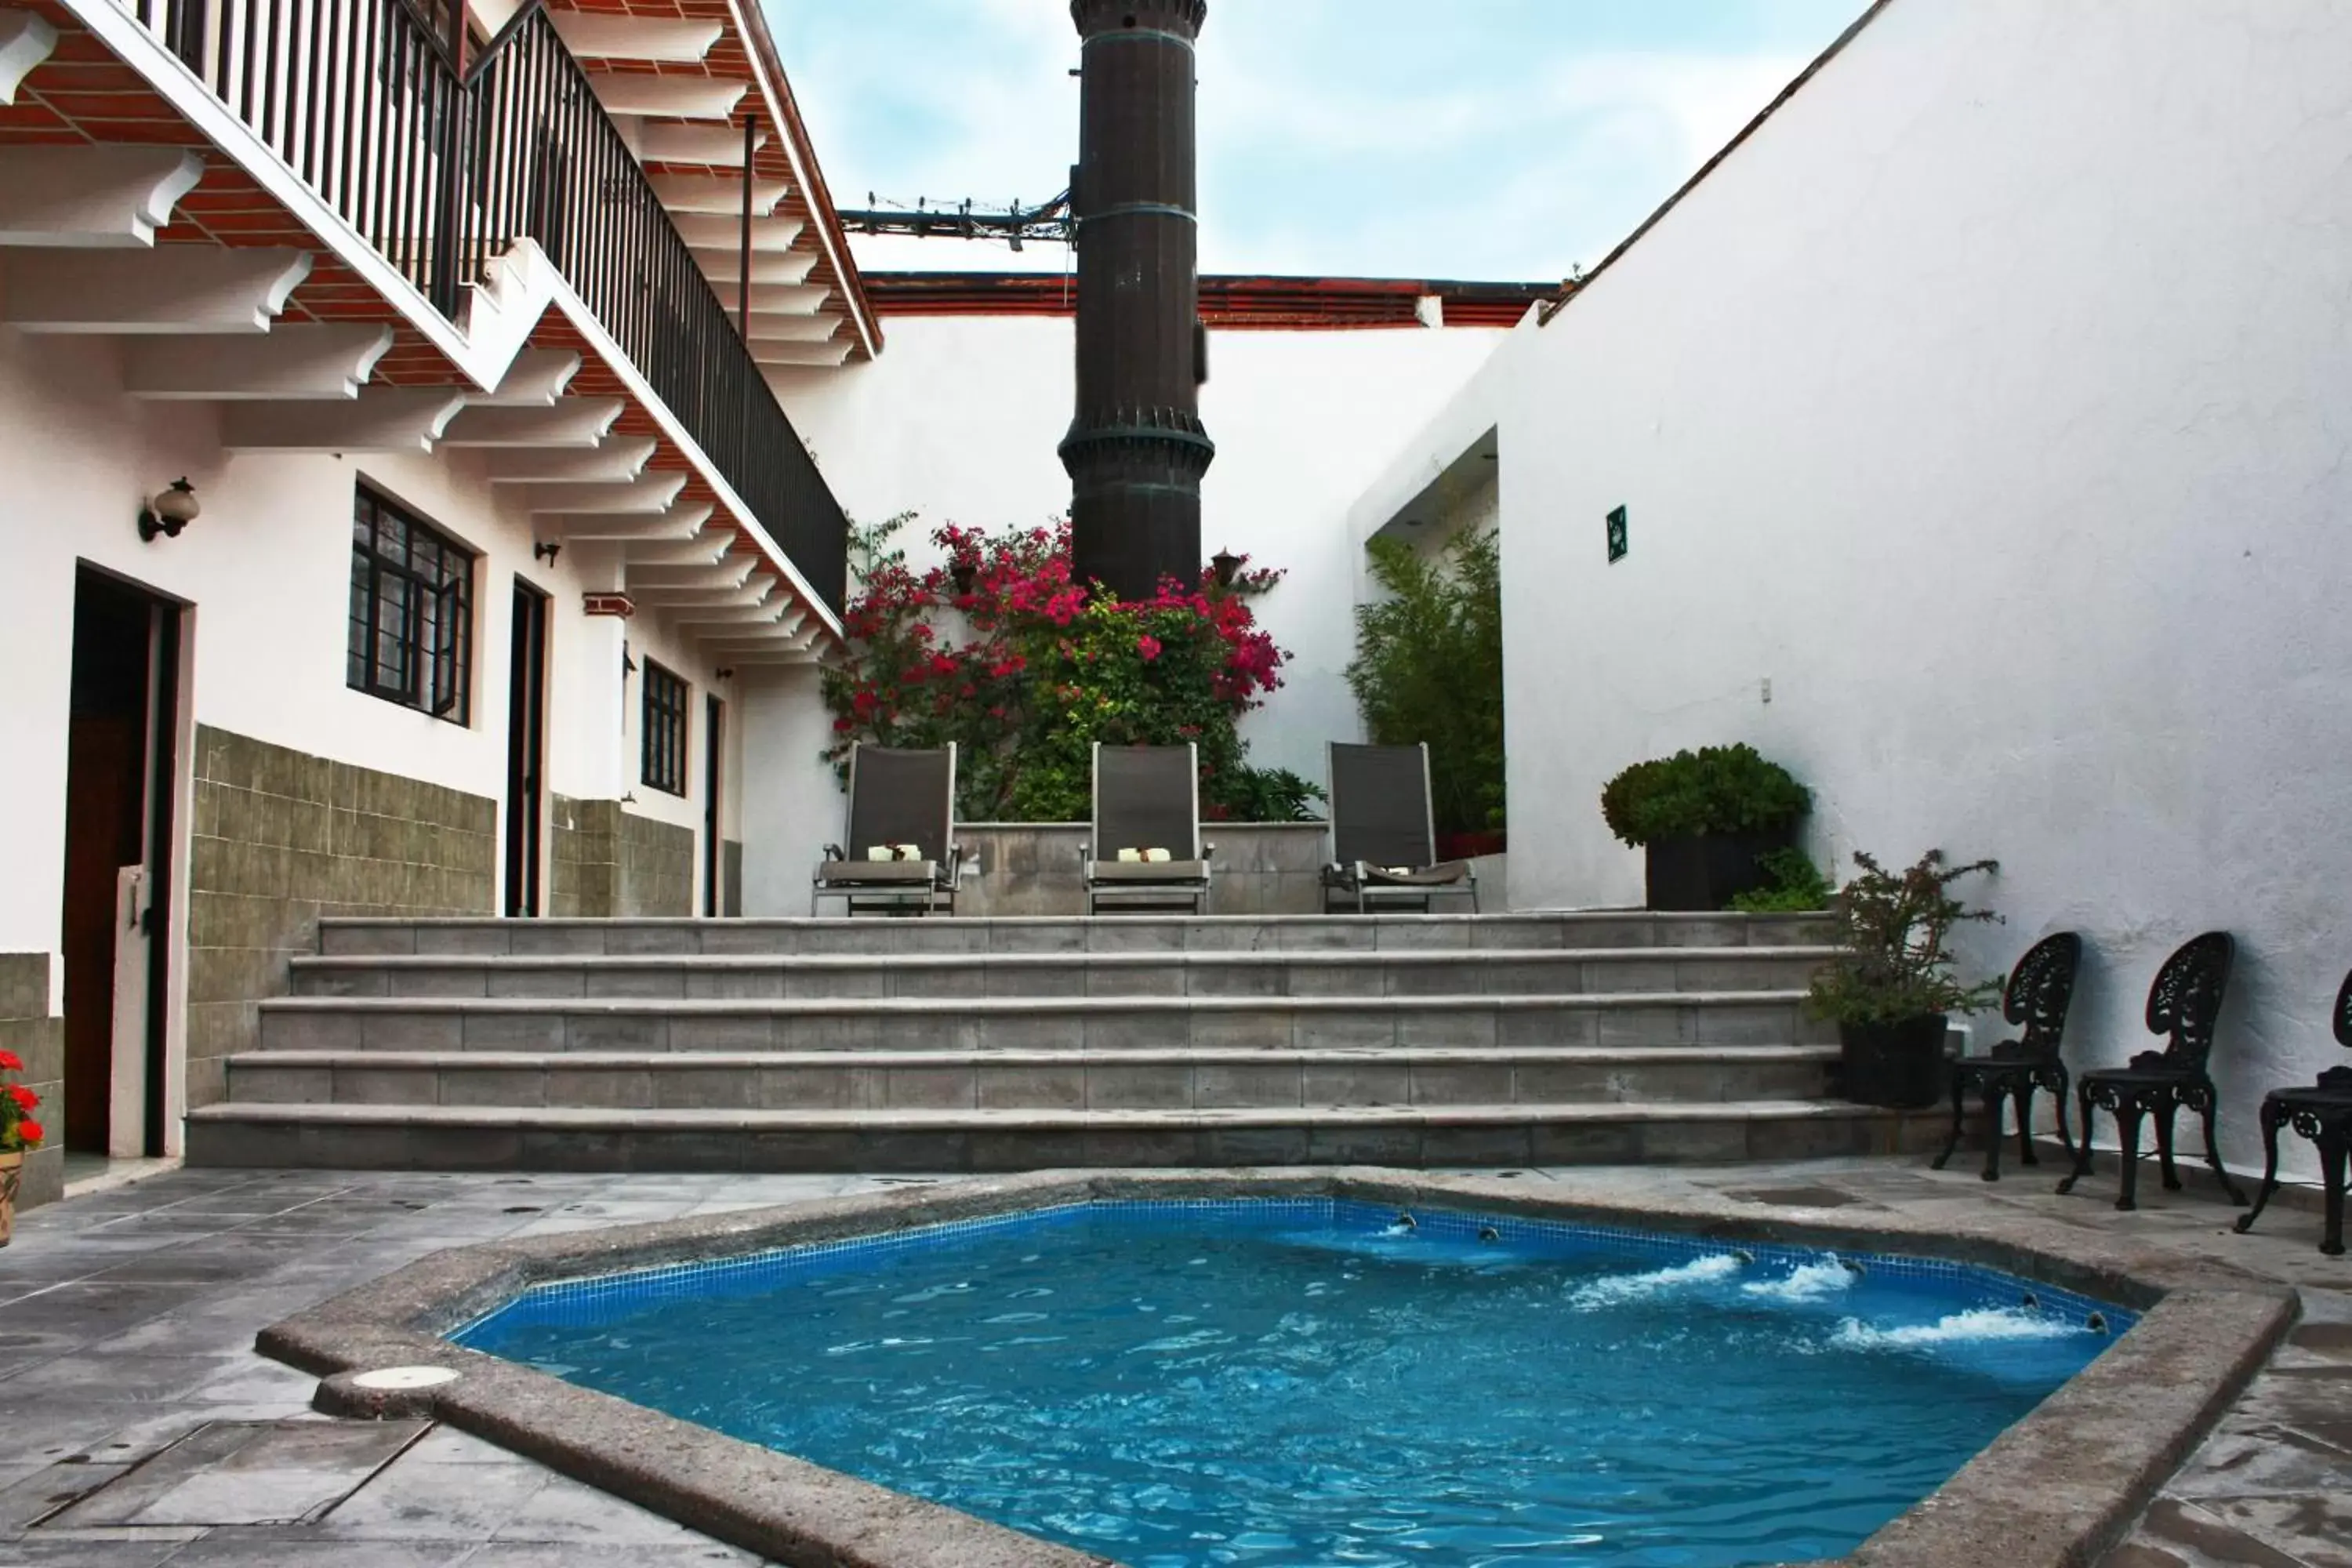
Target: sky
<point>1509,140</point>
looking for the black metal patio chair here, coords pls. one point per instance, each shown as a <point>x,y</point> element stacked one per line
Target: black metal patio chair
<point>2181,1005</point>
<point>1384,833</point>
<point>901,857</point>
<point>2321,1112</point>
<point>2035,1001</point>
<point>1146,852</point>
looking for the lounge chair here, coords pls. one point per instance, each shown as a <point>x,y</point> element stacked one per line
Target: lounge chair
<point>2181,1005</point>
<point>1146,852</point>
<point>2321,1112</point>
<point>1384,833</point>
<point>2039,989</point>
<point>900,857</point>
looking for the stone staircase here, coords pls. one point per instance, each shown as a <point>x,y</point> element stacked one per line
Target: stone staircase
<point>937,1044</point>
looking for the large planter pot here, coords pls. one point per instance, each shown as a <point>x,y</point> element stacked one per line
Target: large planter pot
<point>1708,873</point>
<point>1898,1064</point>
<point>12,1171</point>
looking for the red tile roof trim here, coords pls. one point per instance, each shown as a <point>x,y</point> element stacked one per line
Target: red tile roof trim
<point>1228,303</point>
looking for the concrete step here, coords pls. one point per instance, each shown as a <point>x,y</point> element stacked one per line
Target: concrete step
<point>1070,1023</point>
<point>503,1137</point>
<point>341,936</point>
<point>1014,1080</point>
<point>1337,973</point>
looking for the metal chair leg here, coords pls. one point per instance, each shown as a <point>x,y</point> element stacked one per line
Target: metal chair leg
<point>2065,1134</point>
<point>1959,1114</point>
<point>2273,1118</point>
<point>2025,1155</point>
<point>2128,1118</point>
<point>2082,1150</point>
<point>2164,1115</point>
<point>2335,1149</point>
<point>1996,1094</point>
<point>2213,1149</point>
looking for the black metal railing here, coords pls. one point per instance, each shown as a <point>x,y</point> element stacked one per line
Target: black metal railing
<point>444,164</point>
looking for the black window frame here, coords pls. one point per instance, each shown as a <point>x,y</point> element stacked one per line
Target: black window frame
<point>404,568</point>
<point>664,697</point>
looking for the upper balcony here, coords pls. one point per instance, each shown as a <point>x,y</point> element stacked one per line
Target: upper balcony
<point>655,163</point>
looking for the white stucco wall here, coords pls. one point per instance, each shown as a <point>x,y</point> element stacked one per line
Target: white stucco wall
<point>267,569</point>
<point>792,803</point>
<point>1991,404</point>
<point>960,417</point>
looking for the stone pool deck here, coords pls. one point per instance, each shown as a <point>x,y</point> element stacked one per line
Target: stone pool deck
<point>127,1320</point>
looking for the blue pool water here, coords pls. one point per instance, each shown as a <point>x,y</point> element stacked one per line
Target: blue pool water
<point>1310,1384</point>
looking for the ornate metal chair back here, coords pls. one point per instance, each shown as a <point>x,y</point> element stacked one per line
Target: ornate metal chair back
<point>2040,989</point>
<point>2342,1018</point>
<point>2187,998</point>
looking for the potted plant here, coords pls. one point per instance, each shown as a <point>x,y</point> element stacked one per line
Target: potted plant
<point>1891,988</point>
<point>19,1134</point>
<point>1705,818</point>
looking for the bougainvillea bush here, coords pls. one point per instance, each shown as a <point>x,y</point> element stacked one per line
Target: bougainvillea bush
<point>999,651</point>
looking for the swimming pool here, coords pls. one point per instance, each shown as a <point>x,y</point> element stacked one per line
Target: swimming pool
<point>1303,1379</point>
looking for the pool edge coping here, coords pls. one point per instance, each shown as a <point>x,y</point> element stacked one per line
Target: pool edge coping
<point>2054,1490</point>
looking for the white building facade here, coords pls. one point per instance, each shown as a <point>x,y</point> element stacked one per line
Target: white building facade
<point>1981,423</point>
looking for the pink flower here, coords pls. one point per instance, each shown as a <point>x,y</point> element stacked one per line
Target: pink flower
<point>1148,646</point>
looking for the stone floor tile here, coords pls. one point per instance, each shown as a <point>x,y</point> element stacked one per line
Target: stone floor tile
<point>567,1510</point>
<point>697,1553</point>
<point>420,1500</point>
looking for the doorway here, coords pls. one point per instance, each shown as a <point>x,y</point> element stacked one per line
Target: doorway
<point>120,765</point>
<point>714,769</point>
<point>526,750</point>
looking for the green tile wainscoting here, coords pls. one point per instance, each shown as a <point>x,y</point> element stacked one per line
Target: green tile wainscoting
<point>26,1028</point>
<point>280,838</point>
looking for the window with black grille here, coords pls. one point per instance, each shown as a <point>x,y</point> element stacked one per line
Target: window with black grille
<point>412,634</point>
<point>665,730</point>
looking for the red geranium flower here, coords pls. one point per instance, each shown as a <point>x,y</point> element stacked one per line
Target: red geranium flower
<point>25,1099</point>
<point>30,1133</point>
<point>11,1062</point>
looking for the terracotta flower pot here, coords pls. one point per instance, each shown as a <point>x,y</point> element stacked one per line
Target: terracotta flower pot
<point>12,1171</point>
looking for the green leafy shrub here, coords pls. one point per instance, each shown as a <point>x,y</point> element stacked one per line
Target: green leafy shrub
<point>1714,792</point>
<point>1894,928</point>
<point>1429,668</point>
<point>1796,885</point>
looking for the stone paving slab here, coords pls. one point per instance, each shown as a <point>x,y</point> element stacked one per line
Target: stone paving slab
<point>181,1270</point>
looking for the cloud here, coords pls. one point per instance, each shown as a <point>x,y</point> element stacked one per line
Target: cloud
<point>1500,138</point>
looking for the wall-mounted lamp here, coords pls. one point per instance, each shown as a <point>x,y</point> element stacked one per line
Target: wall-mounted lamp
<point>546,549</point>
<point>1227,565</point>
<point>174,507</point>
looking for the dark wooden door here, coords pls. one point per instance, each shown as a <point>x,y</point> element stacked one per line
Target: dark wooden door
<point>526,750</point>
<point>714,770</point>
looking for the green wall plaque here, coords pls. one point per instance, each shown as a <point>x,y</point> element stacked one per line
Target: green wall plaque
<point>1617,535</point>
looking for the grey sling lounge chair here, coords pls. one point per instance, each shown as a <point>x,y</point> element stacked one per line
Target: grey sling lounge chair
<point>896,797</point>
<point>1383,834</point>
<point>1146,798</point>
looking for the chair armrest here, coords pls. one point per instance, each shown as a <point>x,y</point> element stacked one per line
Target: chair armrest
<point>1208,850</point>
<point>836,852</point>
<point>1086,849</point>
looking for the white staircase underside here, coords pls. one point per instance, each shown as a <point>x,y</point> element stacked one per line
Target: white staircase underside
<point>767,267</point>
<point>536,377</point>
<point>380,419</point>
<point>718,147</point>
<point>647,495</point>
<point>668,523</point>
<point>170,288</point>
<point>667,97</point>
<point>607,35</point>
<point>614,462</point>
<point>572,422</point>
<point>834,352</point>
<point>716,194</point>
<point>26,40</point>
<point>85,197</point>
<point>294,362</point>
<point>704,549</point>
<point>717,576</point>
<point>715,232</point>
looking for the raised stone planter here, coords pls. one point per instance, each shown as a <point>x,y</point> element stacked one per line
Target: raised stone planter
<point>1033,868</point>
